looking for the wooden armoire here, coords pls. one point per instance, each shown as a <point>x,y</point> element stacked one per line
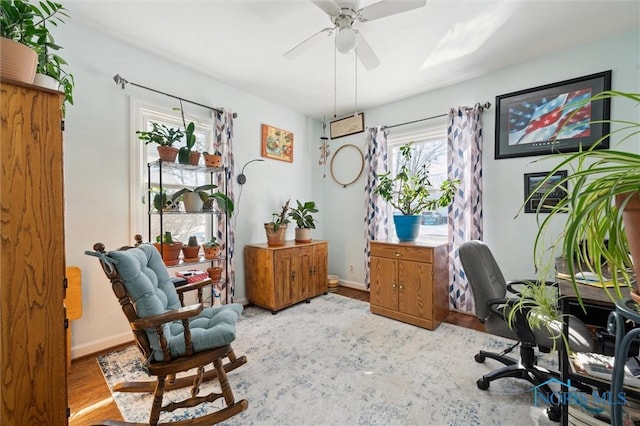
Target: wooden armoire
<point>33,369</point>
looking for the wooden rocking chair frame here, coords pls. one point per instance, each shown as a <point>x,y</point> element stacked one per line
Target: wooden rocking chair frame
<point>166,371</point>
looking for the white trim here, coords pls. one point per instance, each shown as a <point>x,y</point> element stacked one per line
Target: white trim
<point>353,284</point>
<point>100,345</point>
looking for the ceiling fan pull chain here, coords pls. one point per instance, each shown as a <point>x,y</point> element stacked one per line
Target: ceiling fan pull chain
<point>355,64</point>
<point>335,73</point>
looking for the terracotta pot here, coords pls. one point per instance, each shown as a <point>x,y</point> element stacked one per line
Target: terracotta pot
<point>191,253</point>
<point>215,273</point>
<point>213,160</point>
<point>212,252</point>
<point>303,235</point>
<point>17,61</point>
<point>170,252</point>
<point>167,153</point>
<point>275,238</point>
<point>631,219</point>
<point>194,158</point>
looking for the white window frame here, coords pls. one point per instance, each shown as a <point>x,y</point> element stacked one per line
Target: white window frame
<point>141,113</point>
<point>435,131</point>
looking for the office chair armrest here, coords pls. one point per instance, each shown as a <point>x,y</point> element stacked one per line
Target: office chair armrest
<point>496,306</point>
<point>515,291</point>
<point>175,315</point>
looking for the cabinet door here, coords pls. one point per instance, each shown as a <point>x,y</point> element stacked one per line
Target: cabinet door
<point>284,278</point>
<point>320,270</point>
<point>384,285</point>
<point>302,275</point>
<point>415,295</point>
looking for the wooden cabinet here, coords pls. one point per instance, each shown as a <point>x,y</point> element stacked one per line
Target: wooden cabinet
<point>277,277</point>
<point>409,282</point>
<point>33,368</point>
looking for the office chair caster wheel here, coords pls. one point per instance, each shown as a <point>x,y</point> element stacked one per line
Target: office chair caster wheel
<point>554,414</point>
<point>483,384</point>
<point>479,358</point>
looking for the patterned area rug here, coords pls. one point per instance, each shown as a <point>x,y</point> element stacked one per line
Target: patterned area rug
<point>333,362</point>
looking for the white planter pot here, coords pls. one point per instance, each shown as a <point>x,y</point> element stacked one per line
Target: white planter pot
<point>192,202</point>
<point>303,235</point>
<point>46,81</point>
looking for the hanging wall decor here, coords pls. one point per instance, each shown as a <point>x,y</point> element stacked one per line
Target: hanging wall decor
<point>277,143</point>
<point>324,148</point>
<point>347,126</point>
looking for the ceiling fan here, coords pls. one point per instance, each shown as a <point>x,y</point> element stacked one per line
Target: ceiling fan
<point>343,14</point>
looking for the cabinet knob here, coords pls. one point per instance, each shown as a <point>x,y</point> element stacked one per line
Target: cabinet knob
<point>401,286</point>
<point>293,275</point>
<point>393,285</point>
<point>398,254</point>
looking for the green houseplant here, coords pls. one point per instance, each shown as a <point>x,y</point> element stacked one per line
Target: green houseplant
<point>169,249</point>
<point>277,228</point>
<point>191,249</point>
<point>601,211</point>
<point>304,219</point>
<point>165,137</point>
<point>195,198</point>
<point>410,192</point>
<point>211,249</point>
<point>24,32</point>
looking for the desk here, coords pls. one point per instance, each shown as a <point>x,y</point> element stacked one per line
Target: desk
<point>598,306</point>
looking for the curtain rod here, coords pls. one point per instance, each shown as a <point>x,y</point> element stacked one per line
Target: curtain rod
<point>484,106</point>
<point>122,81</point>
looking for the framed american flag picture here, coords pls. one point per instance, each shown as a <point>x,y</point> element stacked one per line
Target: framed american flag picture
<point>558,117</point>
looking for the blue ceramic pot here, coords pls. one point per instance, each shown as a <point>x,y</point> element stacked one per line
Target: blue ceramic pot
<point>407,227</point>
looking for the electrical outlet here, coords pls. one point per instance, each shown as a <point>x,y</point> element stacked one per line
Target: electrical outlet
<point>350,268</point>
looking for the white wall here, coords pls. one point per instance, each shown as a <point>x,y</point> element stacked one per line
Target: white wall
<point>97,151</point>
<point>510,239</point>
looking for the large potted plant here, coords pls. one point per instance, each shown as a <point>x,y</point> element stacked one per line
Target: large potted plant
<point>601,212</point>
<point>277,228</point>
<point>304,219</point>
<point>165,137</point>
<point>24,35</point>
<point>410,193</point>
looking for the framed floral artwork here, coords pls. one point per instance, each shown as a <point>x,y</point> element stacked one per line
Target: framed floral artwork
<point>277,143</point>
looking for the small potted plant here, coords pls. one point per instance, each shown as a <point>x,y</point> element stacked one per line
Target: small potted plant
<point>305,222</point>
<point>194,199</point>
<point>410,192</point>
<point>191,250</point>
<point>277,228</point>
<point>211,249</point>
<point>165,137</point>
<point>169,249</point>
<point>215,159</point>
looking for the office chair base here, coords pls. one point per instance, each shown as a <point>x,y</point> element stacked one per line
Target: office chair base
<point>481,356</point>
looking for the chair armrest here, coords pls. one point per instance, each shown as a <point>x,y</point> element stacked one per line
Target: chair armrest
<point>193,286</point>
<point>175,315</point>
<point>512,283</point>
<point>493,304</point>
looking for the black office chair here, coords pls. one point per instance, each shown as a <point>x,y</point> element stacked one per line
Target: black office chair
<point>491,294</point>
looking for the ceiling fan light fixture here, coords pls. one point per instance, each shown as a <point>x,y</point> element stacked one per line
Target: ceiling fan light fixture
<point>346,40</point>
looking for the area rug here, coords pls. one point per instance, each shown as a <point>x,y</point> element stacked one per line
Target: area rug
<point>333,362</point>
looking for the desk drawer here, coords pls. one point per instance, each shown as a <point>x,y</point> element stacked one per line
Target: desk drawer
<point>394,251</point>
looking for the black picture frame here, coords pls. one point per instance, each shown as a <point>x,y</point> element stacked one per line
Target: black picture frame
<point>531,186</point>
<point>346,126</point>
<point>529,122</point>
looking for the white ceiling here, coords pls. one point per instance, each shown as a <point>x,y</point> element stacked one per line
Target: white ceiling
<point>241,43</point>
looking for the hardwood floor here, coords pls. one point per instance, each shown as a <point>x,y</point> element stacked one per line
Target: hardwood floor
<point>90,399</point>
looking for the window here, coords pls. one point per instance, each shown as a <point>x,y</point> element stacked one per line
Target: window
<point>181,226</point>
<point>430,146</point>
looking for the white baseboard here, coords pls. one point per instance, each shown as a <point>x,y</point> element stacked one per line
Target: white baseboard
<point>101,345</point>
<point>353,284</point>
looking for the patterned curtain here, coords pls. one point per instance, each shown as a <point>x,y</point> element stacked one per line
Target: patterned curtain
<point>464,144</point>
<point>224,139</point>
<point>377,218</point>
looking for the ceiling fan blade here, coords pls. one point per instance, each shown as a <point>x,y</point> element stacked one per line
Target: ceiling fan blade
<point>328,6</point>
<point>388,7</point>
<point>365,53</point>
<point>307,44</point>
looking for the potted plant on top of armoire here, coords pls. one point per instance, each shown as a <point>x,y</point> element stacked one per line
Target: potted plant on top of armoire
<point>410,192</point>
<point>601,212</point>
<point>24,35</point>
<point>277,228</point>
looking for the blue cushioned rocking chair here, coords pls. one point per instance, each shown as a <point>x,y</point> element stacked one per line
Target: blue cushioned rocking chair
<point>173,338</point>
